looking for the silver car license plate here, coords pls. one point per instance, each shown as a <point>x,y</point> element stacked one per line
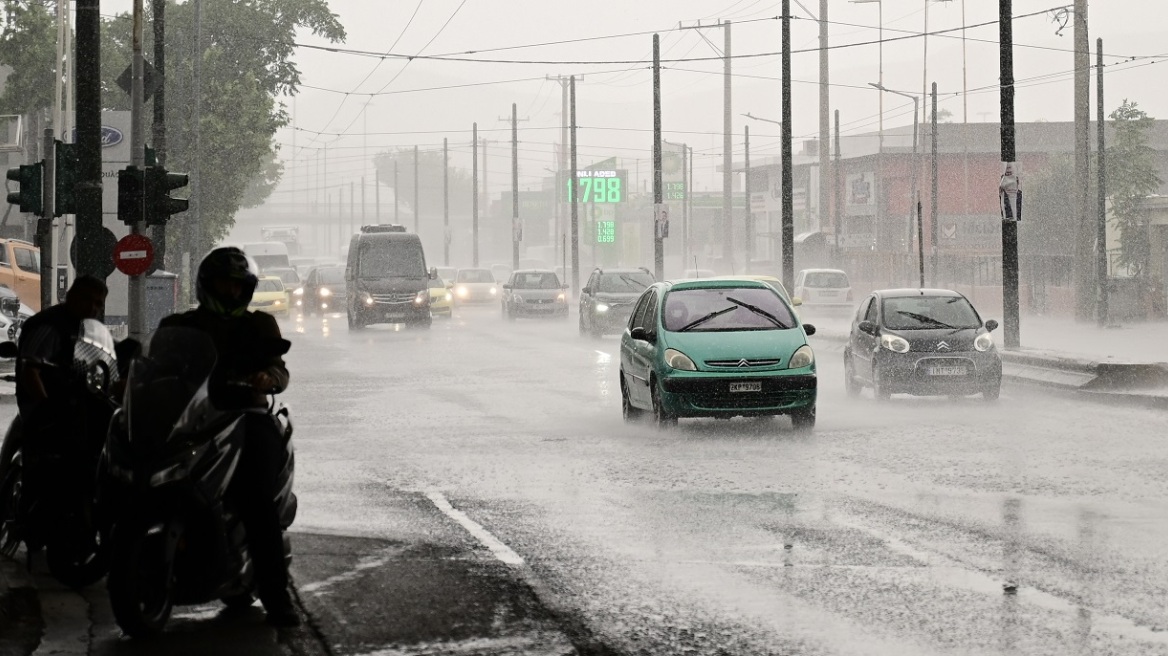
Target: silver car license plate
<point>746,387</point>
<point>394,316</point>
<point>948,371</point>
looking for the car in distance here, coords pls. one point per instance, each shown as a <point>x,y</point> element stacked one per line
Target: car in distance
<point>447,273</point>
<point>441,298</point>
<point>534,293</point>
<point>923,342</point>
<point>475,286</point>
<point>717,348</point>
<point>824,289</point>
<point>323,290</point>
<point>388,279</point>
<point>270,296</point>
<point>607,299</point>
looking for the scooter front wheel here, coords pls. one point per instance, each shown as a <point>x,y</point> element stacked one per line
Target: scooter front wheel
<point>141,578</point>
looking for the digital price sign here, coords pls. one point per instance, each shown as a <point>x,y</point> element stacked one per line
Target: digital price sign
<point>607,186</point>
<point>674,191</point>
<point>606,232</point>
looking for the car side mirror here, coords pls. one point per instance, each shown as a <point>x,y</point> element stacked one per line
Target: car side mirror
<point>506,286</point>
<point>991,325</point>
<point>809,329</point>
<point>9,350</point>
<point>640,334</point>
<point>433,273</point>
<point>796,301</point>
<point>586,289</point>
<point>868,327</point>
<point>348,274</point>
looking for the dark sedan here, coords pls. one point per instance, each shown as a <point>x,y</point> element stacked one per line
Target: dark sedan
<point>924,342</point>
<point>323,290</point>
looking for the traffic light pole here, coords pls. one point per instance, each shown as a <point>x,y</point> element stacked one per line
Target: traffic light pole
<point>137,318</point>
<point>90,250</point>
<point>44,230</point>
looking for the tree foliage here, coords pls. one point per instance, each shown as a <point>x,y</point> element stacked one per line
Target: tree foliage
<point>28,45</point>
<point>1132,176</point>
<point>430,181</point>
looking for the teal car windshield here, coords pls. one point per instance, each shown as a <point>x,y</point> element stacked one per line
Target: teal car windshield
<point>923,312</point>
<point>725,309</point>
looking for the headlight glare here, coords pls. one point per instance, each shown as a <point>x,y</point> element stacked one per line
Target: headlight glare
<point>325,292</point>
<point>678,360</point>
<point>803,357</point>
<point>561,297</point>
<point>894,343</point>
<point>494,291</point>
<point>601,307</point>
<point>984,342</point>
<point>367,299</point>
<point>299,291</point>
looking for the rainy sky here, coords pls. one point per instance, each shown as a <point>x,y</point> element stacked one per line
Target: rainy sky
<point>330,109</point>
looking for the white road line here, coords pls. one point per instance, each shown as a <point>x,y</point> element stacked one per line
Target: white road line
<point>318,588</point>
<point>501,551</point>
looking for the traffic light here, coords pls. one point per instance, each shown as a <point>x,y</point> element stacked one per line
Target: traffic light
<point>130,194</point>
<point>66,180</point>
<point>159,205</point>
<point>28,197</point>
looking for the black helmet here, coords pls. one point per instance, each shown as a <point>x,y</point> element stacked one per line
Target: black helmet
<point>226,263</point>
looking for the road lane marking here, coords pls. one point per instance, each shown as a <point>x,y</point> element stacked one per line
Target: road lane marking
<point>501,551</point>
<point>317,588</point>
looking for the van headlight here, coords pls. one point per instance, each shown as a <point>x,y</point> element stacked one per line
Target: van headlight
<point>803,357</point>
<point>894,343</point>
<point>367,299</point>
<point>984,342</point>
<point>422,298</point>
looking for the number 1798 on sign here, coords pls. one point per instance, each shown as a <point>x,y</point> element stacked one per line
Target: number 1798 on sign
<point>599,190</point>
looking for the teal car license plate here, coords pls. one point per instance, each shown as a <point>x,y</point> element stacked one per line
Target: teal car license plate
<point>746,387</point>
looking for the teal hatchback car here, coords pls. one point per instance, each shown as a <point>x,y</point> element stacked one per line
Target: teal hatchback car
<point>716,348</point>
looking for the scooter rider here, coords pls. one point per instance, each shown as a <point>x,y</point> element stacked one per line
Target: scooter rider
<point>244,341</point>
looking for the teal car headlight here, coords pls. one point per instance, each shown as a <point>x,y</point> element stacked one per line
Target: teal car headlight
<point>678,360</point>
<point>803,357</point>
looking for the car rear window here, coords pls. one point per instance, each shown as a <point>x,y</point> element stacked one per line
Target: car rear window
<point>917,312</point>
<point>726,309</point>
<point>629,282</point>
<point>536,281</point>
<point>826,280</point>
<point>331,276</point>
<point>270,286</point>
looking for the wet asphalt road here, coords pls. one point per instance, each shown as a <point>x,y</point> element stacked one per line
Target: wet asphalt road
<point>472,489</point>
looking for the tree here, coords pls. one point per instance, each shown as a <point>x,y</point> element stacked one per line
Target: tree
<point>28,41</point>
<point>1132,176</point>
<point>247,65</point>
<point>943,116</point>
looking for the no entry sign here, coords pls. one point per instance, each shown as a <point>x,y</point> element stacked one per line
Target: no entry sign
<point>133,255</point>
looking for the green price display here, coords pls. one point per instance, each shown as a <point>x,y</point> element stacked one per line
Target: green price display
<point>606,232</point>
<point>599,187</point>
<point>674,191</point>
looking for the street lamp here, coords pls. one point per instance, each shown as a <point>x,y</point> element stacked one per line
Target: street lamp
<point>768,120</point>
<point>915,165</point>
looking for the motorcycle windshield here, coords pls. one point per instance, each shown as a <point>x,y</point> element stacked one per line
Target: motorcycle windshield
<point>163,382</point>
<point>93,352</point>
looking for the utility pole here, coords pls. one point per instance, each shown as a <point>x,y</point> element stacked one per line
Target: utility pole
<point>659,222</point>
<point>377,195</point>
<point>1085,232</point>
<point>1009,227</point>
<point>563,159</point>
<point>824,117</point>
<point>788,176</point>
<point>91,254</point>
<point>515,230</point>
<point>1101,222</point>
<point>446,237</point>
<point>573,186</point>
<point>195,225</point>
<point>363,215</point>
<point>689,204</point>
<point>727,158</point>
<point>933,193</point>
<point>838,179</point>
<point>474,201</point>
<point>352,205</point>
<point>685,207</point>
<point>396,193</point>
<point>748,223</point>
<point>416,190</point>
<point>159,126</point>
<point>137,292</point>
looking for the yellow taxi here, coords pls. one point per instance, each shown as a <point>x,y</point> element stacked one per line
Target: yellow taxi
<point>270,296</point>
<point>441,298</point>
<point>773,282</point>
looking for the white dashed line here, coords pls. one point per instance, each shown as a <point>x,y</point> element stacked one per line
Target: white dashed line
<point>501,551</point>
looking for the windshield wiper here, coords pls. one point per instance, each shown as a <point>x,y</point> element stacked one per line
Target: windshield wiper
<point>635,282</point>
<point>706,318</point>
<point>759,311</point>
<point>924,319</point>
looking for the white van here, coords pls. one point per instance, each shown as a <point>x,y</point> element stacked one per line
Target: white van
<point>268,254</point>
<point>825,289</point>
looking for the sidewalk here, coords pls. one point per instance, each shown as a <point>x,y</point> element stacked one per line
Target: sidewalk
<point>1144,342</point>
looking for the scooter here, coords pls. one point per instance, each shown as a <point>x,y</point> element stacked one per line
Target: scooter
<point>177,537</point>
<point>59,514</point>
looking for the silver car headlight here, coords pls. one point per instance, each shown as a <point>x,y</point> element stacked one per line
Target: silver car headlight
<point>984,342</point>
<point>803,357</point>
<point>601,307</point>
<point>494,291</point>
<point>894,343</point>
<point>678,360</point>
